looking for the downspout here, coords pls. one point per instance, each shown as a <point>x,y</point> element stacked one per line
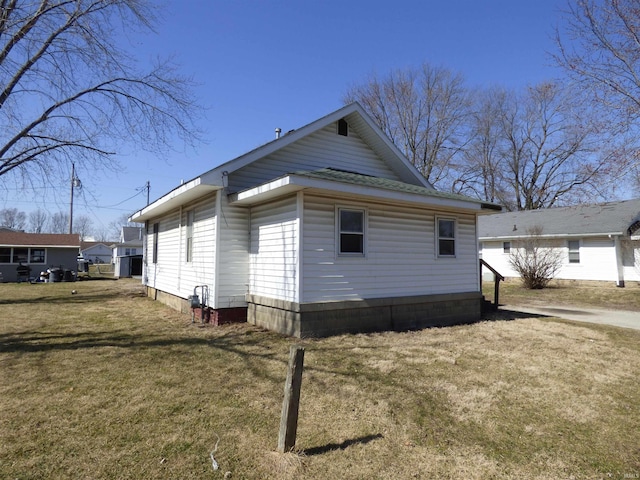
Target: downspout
<point>619,266</point>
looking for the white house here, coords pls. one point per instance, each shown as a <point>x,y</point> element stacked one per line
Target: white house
<point>96,252</point>
<point>597,242</point>
<point>327,229</point>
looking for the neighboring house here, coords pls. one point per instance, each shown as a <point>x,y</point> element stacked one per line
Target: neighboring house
<point>127,253</point>
<point>38,251</point>
<point>96,252</point>
<point>597,242</point>
<point>327,229</point>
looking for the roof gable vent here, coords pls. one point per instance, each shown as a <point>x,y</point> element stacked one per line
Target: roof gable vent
<point>343,127</point>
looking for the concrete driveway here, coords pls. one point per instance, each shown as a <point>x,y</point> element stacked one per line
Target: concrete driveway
<point>618,318</point>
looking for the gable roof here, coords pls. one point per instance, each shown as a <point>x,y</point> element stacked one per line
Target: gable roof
<point>611,218</point>
<point>131,234</point>
<point>214,179</point>
<point>88,245</point>
<point>10,239</point>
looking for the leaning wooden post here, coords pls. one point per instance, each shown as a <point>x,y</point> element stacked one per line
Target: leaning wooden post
<point>289,419</point>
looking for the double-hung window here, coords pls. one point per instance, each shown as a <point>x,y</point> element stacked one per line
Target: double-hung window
<point>446,237</point>
<point>351,231</point>
<point>574,251</point>
<point>506,247</point>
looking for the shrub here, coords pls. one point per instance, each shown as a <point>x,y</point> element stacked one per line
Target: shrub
<point>536,260</point>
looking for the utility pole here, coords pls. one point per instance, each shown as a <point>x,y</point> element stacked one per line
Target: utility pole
<point>148,191</point>
<point>73,174</point>
<point>75,182</point>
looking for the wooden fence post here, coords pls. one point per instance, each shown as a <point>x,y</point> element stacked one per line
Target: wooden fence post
<point>291,403</point>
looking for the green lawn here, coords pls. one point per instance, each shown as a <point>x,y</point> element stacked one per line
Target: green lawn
<point>107,384</point>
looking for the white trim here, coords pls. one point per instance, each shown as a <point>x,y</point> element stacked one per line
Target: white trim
<point>338,232</point>
<point>216,259</point>
<point>293,183</point>
<point>177,197</point>
<point>437,236</point>
<point>300,246</point>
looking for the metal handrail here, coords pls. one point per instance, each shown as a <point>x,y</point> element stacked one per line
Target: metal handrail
<point>498,279</point>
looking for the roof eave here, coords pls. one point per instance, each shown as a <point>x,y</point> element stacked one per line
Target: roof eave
<point>177,197</point>
<point>293,183</point>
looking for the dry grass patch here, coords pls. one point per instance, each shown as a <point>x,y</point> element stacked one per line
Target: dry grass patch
<point>108,384</point>
<point>565,292</point>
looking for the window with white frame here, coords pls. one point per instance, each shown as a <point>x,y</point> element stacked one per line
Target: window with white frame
<point>446,230</point>
<point>26,255</point>
<point>351,226</point>
<point>574,251</point>
<point>506,247</point>
<point>189,234</point>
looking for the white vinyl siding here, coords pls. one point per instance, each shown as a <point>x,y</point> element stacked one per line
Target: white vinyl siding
<point>322,149</point>
<point>233,258</point>
<point>597,259</point>
<point>274,250</point>
<point>172,273</point>
<point>401,258</point>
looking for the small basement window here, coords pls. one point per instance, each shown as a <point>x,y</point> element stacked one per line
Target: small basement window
<point>343,127</point>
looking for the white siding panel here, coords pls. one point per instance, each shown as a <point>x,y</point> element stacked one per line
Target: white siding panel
<point>201,270</point>
<point>274,256</point>
<point>164,275</point>
<point>324,148</point>
<point>233,277</point>
<point>597,261</point>
<point>400,255</point>
<point>172,273</point>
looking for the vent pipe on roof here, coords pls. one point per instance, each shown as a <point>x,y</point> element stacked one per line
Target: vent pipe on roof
<point>278,130</point>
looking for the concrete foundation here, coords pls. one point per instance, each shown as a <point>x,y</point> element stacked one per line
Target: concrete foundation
<point>361,316</point>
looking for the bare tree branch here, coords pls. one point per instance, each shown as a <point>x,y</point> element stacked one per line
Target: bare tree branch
<point>68,91</point>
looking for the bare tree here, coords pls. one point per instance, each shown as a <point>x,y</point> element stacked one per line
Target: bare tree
<point>59,223</point>
<point>554,149</point>
<point>424,112</point>
<point>482,173</point>
<point>12,218</point>
<point>83,226</point>
<point>69,92</point>
<point>599,47</point>
<point>115,226</point>
<point>37,221</point>
<point>536,260</point>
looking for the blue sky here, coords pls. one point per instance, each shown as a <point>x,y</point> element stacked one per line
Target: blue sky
<point>266,64</point>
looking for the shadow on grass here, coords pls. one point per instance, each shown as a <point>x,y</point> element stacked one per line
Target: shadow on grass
<point>502,314</point>
<point>39,341</point>
<point>56,298</point>
<point>341,446</point>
